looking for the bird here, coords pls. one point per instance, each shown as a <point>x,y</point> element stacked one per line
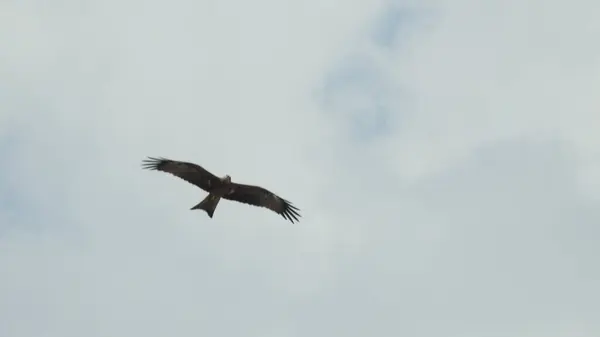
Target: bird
<point>222,188</point>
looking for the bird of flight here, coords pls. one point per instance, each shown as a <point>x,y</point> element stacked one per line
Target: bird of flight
<point>222,188</point>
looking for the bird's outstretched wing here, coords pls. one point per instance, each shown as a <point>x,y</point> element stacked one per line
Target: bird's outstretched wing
<point>258,196</point>
<point>192,173</point>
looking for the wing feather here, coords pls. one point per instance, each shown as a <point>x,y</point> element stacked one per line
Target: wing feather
<point>190,172</point>
<point>258,196</point>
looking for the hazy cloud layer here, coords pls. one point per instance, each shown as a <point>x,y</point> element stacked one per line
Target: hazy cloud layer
<point>444,155</point>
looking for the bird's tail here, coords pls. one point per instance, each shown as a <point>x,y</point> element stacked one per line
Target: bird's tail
<point>209,204</point>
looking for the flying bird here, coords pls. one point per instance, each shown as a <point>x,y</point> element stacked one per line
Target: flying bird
<point>218,188</point>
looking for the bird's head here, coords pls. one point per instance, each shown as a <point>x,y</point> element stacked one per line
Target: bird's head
<point>226,179</point>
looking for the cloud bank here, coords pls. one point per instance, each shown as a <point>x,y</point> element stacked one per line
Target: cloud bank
<point>444,156</point>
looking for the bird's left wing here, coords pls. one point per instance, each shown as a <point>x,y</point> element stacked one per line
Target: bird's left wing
<point>190,172</point>
<point>258,196</point>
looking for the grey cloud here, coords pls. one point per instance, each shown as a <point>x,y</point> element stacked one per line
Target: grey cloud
<point>501,244</point>
<point>490,235</point>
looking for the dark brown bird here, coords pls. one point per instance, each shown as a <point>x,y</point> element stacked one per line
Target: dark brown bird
<point>222,188</point>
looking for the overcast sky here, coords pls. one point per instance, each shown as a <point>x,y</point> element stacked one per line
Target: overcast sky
<point>445,156</point>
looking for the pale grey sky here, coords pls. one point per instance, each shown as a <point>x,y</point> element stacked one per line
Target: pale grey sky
<point>444,155</point>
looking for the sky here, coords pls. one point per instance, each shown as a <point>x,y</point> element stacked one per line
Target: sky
<point>444,155</point>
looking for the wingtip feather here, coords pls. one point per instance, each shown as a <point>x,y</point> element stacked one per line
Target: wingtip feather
<point>290,212</point>
<point>153,163</point>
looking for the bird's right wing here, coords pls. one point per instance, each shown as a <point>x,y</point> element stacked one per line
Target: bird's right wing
<point>192,173</point>
<point>261,197</point>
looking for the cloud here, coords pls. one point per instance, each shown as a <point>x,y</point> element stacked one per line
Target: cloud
<point>443,156</point>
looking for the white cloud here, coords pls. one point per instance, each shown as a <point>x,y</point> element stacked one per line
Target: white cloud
<point>444,177</point>
<point>498,70</point>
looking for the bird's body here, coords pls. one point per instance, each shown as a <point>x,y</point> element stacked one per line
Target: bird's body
<point>222,188</point>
